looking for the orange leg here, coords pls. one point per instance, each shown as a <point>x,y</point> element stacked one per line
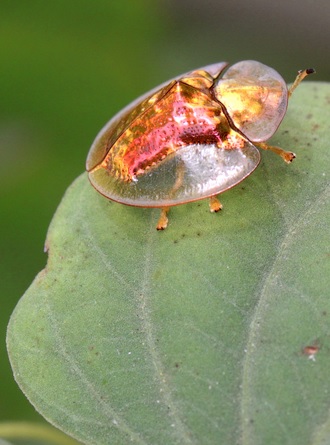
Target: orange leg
<point>163,219</point>
<point>215,204</point>
<point>287,156</point>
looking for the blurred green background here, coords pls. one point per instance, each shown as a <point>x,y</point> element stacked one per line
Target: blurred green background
<point>67,66</point>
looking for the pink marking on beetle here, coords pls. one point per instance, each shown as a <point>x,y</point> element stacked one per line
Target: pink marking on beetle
<point>168,128</point>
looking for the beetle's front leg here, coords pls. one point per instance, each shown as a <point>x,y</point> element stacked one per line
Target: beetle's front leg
<point>287,156</point>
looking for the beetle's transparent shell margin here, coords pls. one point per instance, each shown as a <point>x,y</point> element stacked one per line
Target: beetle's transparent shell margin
<point>189,138</point>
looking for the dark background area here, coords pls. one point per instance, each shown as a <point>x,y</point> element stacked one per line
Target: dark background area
<point>68,66</point>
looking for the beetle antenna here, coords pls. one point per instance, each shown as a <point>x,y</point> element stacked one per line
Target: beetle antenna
<point>301,75</point>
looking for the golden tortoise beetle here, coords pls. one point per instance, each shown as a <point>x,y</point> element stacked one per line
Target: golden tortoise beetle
<point>191,138</point>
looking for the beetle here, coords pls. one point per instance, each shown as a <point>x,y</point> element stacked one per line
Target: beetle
<point>192,137</point>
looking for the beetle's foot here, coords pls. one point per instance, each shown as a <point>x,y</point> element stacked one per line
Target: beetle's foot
<point>215,204</point>
<point>163,219</point>
<point>287,156</point>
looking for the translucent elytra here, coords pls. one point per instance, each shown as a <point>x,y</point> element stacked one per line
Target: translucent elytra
<point>194,172</point>
<point>190,138</point>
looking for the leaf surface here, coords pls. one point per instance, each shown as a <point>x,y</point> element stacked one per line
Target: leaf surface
<point>198,334</point>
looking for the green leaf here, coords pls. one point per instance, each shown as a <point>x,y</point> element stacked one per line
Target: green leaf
<point>28,433</point>
<point>194,335</point>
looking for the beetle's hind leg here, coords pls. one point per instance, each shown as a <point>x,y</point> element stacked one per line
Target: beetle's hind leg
<point>287,156</point>
<point>214,203</point>
<point>163,219</point>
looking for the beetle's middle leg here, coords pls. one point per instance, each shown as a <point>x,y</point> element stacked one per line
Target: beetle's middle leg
<point>215,204</point>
